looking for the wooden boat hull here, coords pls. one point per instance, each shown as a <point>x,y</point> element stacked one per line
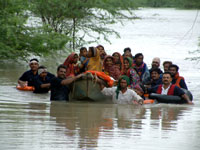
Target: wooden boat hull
<point>86,88</point>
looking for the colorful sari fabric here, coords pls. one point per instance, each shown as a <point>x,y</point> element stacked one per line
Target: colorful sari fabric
<point>95,61</point>
<point>71,69</point>
<point>142,71</point>
<point>120,61</point>
<point>113,70</point>
<point>132,74</point>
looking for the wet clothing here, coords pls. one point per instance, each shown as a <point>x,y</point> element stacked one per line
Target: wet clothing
<point>179,81</point>
<point>29,76</point>
<point>71,70</point>
<point>172,90</point>
<point>39,81</point>
<point>123,98</point>
<point>59,92</point>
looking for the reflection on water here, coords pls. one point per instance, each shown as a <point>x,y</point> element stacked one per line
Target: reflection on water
<point>92,126</point>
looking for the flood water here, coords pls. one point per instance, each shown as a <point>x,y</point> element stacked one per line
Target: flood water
<point>31,121</point>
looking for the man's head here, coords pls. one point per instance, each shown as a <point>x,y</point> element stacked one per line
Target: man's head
<point>166,65</point>
<point>34,64</point>
<point>167,78</point>
<point>139,58</point>
<point>155,62</point>
<point>61,71</point>
<point>42,71</point>
<point>127,49</point>
<point>173,69</point>
<point>124,81</point>
<point>155,74</point>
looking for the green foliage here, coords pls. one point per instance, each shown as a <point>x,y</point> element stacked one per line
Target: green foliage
<point>189,4</point>
<point>18,40</point>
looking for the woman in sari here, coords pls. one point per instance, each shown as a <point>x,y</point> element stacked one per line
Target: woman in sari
<point>71,64</point>
<point>110,68</point>
<point>118,61</point>
<point>131,73</point>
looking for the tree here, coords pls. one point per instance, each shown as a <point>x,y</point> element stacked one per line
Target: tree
<point>81,19</point>
<point>19,40</point>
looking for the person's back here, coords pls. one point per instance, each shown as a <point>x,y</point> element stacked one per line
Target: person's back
<point>95,60</point>
<point>59,91</point>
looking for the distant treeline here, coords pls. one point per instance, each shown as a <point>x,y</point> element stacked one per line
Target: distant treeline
<point>188,4</point>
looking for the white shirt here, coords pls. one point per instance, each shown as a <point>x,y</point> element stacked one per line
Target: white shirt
<point>123,98</point>
<point>165,91</point>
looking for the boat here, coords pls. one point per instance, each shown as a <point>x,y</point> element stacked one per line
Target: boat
<point>86,88</point>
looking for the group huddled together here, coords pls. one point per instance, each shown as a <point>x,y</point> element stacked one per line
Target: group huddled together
<point>132,77</point>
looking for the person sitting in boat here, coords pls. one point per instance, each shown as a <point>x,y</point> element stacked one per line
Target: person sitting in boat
<point>155,64</point>
<point>118,61</point>
<point>83,59</point>
<point>72,68</point>
<point>127,53</point>
<point>176,78</point>
<point>167,88</point>
<point>95,59</point>
<point>42,81</point>
<point>141,68</point>
<point>131,73</point>
<point>102,53</point>
<point>121,94</point>
<point>59,85</point>
<point>155,78</point>
<point>27,78</point>
<point>166,65</point>
<point>110,68</point>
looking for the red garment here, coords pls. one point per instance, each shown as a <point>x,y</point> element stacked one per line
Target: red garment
<point>71,70</point>
<point>178,79</point>
<point>121,61</point>
<point>170,91</point>
<point>113,70</point>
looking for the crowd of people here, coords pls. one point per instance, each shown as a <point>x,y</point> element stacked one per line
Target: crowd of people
<point>130,72</point>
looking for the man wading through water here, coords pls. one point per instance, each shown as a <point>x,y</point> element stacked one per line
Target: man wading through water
<point>121,94</point>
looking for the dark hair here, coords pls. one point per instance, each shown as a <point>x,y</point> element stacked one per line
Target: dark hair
<point>138,55</point>
<point>100,46</point>
<point>82,48</point>
<point>92,50</point>
<point>34,59</point>
<point>174,66</point>
<point>127,49</point>
<point>168,73</point>
<point>156,70</point>
<point>167,62</point>
<point>42,67</point>
<point>61,66</point>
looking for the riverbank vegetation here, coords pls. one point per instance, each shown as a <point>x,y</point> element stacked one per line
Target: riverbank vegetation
<point>40,27</point>
<point>185,4</point>
<point>43,27</point>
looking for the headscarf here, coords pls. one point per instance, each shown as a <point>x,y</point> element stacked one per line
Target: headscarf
<point>69,63</point>
<point>120,59</point>
<point>124,77</point>
<point>95,61</point>
<point>113,70</point>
